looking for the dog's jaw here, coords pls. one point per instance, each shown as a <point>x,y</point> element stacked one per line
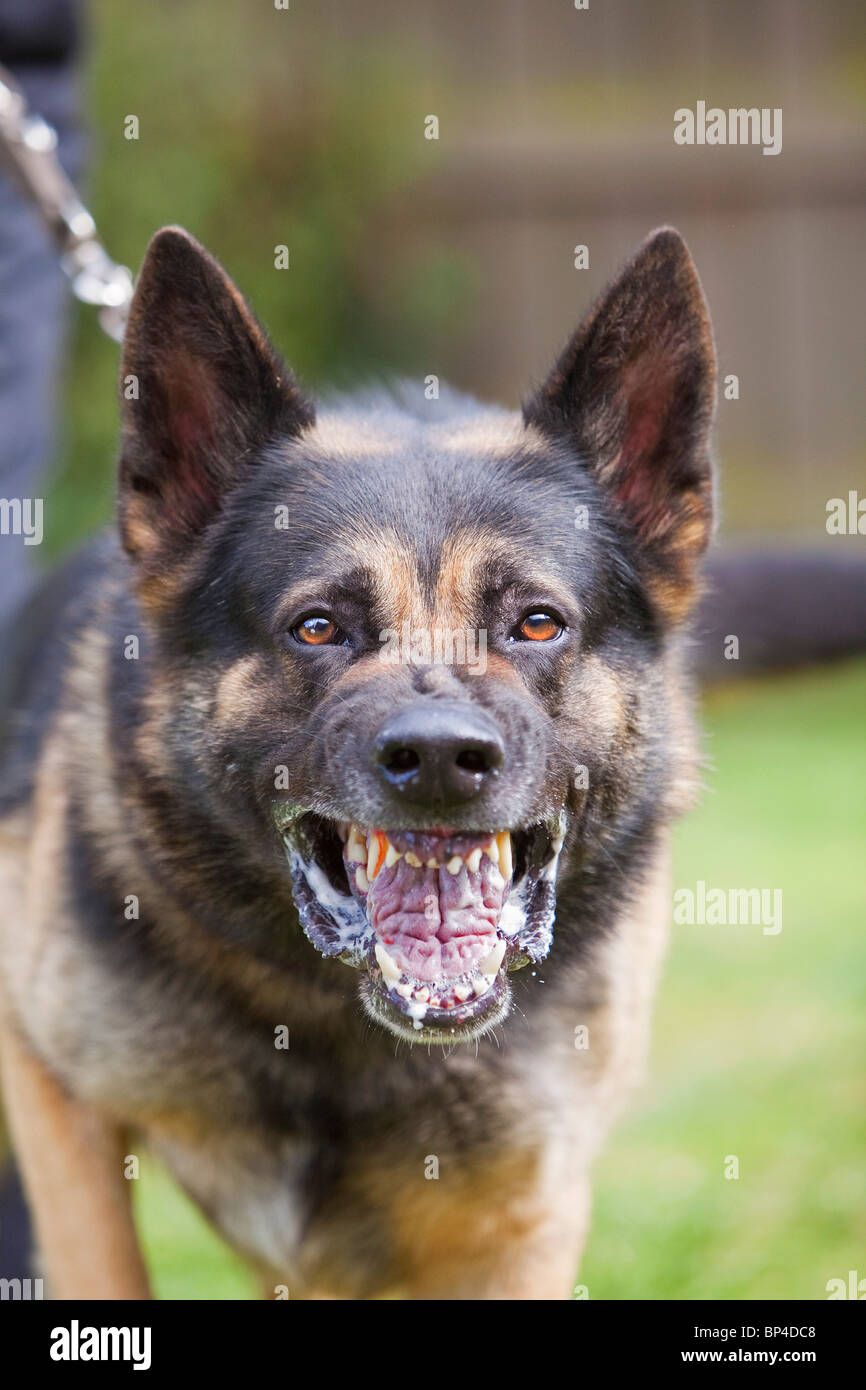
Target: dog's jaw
<point>434,920</point>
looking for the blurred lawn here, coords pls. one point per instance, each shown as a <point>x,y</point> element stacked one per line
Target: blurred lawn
<point>759,1039</point>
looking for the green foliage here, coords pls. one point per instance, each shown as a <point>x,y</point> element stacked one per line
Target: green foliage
<point>252,140</point>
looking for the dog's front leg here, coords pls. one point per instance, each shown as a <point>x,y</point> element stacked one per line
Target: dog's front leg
<point>71,1160</point>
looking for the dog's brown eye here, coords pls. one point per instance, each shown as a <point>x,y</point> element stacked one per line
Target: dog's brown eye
<point>539,627</point>
<point>317,631</point>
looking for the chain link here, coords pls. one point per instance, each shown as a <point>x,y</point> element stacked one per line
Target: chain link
<point>28,148</point>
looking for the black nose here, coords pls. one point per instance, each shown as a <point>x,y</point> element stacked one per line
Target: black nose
<point>438,751</point>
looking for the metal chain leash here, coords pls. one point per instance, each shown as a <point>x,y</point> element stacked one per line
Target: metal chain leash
<point>28,149</point>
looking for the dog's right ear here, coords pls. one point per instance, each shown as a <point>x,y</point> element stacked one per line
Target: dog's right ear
<point>201,390</point>
<point>633,394</point>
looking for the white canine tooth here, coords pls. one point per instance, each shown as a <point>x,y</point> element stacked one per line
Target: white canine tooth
<point>492,850</point>
<point>387,964</point>
<point>490,965</point>
<point>454,865</point>
<point>473,861</point>
<point>412,859</point>
<point>422,994</point>
<point>391,855</point>
<point>356,848</point>
<point>462,992</point>
<point>506,858</point>
<point>361,879</point>
<point>373,855</point>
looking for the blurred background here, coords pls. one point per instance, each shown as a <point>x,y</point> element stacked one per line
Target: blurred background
<point>305,127</point>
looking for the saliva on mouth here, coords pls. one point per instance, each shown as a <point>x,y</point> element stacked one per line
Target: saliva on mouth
<point>435,919</point>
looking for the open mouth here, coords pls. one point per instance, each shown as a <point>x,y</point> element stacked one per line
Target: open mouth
<point>435,918</point>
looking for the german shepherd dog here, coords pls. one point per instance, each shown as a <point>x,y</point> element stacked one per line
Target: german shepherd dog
<point>279,890</point>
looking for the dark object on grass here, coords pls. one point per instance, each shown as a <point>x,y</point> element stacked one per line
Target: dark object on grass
<point>786,608</point>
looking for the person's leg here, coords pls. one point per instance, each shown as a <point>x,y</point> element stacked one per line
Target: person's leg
<point>34,300</point>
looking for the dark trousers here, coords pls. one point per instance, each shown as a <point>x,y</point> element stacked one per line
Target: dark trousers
<point>34,301</point>
<point>33,311</point>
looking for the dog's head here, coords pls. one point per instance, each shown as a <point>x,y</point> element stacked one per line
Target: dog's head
<point>416,643</point>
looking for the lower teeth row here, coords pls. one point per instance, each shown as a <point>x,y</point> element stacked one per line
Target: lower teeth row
<point>482,980</point>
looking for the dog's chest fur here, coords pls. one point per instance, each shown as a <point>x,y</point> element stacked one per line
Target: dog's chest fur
<point>318,1161</point>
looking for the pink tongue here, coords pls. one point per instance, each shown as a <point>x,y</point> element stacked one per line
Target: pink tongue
<point>435,924</point>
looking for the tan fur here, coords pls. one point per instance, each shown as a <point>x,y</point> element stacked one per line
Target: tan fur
<point>463,561</point>
<point>238,697</point>
<point>72,1161</point>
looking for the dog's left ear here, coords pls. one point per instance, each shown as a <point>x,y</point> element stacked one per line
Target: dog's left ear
<point>634,394</point>
<point>201,390</point>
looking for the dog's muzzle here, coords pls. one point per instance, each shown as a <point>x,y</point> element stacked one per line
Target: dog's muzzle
<point>436,919</point>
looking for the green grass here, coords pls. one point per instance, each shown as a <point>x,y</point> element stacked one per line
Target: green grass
<point>758,1040</point>
<point>186,1259</point>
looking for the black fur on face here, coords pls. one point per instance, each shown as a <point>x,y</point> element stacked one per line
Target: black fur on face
<point>285,562</point>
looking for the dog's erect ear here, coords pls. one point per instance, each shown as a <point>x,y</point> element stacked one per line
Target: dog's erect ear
<point>201,390</point>
<point>634,394</point>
